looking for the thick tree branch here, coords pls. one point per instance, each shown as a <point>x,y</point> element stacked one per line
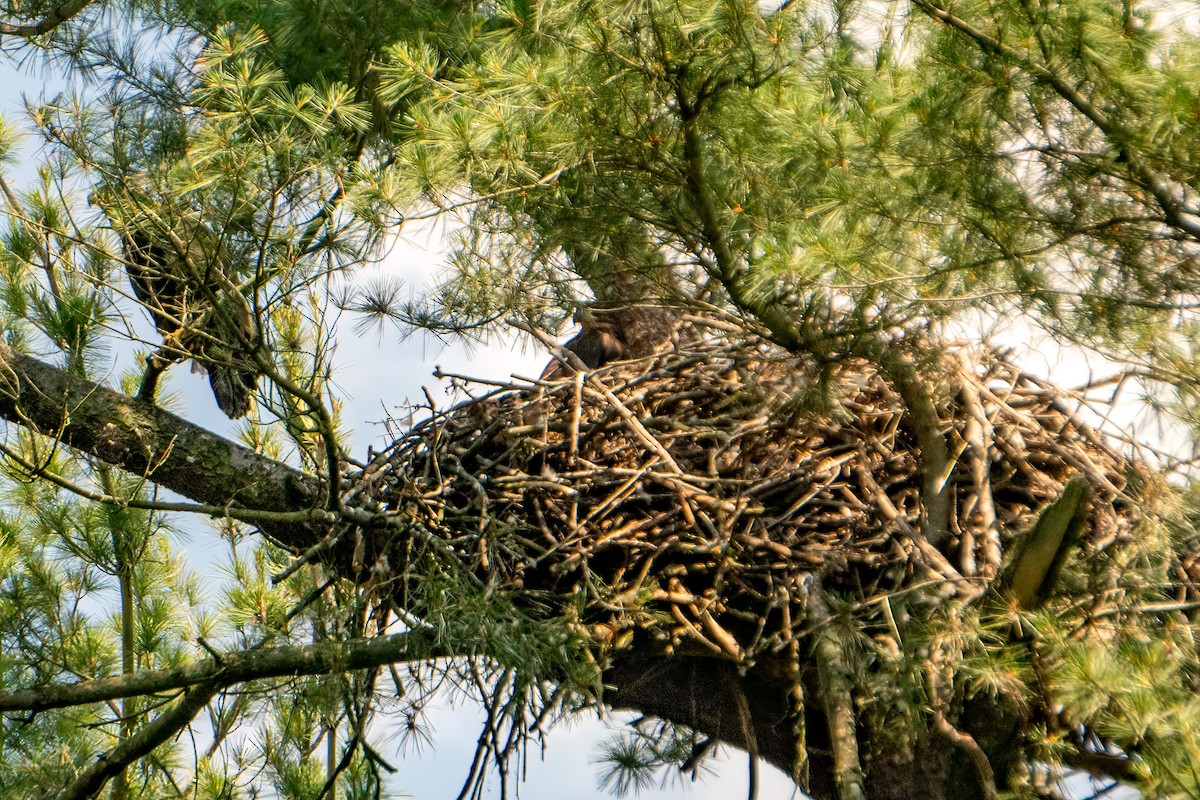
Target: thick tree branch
<point>162,447</point>
<point>47,23</point>
<point>834,676</point>
<point>935,454</point>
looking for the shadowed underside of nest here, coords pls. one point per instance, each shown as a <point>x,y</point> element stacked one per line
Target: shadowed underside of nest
<point>693,497</point>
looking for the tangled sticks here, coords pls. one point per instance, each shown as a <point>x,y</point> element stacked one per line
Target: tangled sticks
<point>692,495</point>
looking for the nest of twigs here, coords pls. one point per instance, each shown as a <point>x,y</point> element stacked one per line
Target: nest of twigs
<point>693,494</point>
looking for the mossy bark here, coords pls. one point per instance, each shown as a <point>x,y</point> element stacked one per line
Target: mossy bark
<point>162,447</point>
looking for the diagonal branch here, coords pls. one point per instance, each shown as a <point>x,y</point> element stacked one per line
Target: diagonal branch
<point>233,668</point>
<point>47,23</point>
<point>164,448</point>
<point>1175,212</point>
<point>165,725</point>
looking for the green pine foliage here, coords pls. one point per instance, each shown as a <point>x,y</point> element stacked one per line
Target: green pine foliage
<point>848,180</point>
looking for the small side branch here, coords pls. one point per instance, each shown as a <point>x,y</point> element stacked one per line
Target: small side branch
<point>165,725</point>
<point>156,364</point>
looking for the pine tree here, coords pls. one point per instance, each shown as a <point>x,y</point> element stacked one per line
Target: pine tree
<point>828,197</point>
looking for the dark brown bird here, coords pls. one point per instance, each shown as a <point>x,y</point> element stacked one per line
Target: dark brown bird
<point>615,334</point>
<point>178,286</point>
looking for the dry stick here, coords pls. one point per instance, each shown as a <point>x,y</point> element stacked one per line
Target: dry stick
<point>978,432</point>
<point>1015,454</point>
<point>635,425</point>
<point>718,632</point>
<point>573,452</point>
<point>627,487</point>
<point>685,489</point>
<point>816,489</point>
<point>597,386</point>
<point>576,417</point>
<point>699,608</point>
<point>1085,430</point>
<point>1074,457</point>
<point>833,674</point>
<point>693,632</point>
<point>935,560</point>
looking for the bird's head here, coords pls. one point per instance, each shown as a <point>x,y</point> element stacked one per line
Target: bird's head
<point>588,317</point>
<point>583,314</point>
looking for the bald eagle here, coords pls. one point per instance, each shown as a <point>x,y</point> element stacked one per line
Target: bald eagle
<point>183,278</point>
<point>616,333</point>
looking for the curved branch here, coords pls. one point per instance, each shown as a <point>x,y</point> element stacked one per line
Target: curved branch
<point>979,759</point>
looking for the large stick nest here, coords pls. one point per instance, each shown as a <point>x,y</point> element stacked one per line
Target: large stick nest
<point>695,494</point>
